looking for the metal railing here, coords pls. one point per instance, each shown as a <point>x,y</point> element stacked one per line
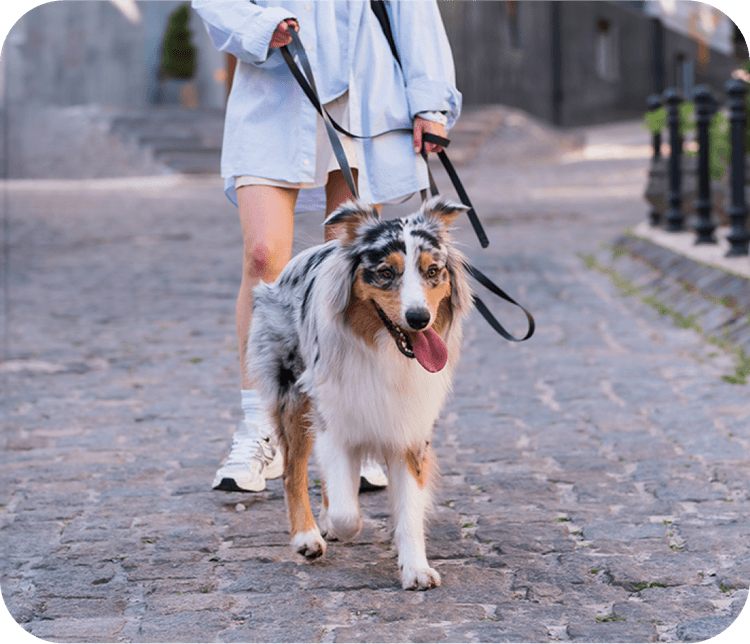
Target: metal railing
<point>705,108</point>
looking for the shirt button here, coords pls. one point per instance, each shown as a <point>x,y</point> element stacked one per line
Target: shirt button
<point>308,48</point>
<point>307,8</point>
<point>306,162</point>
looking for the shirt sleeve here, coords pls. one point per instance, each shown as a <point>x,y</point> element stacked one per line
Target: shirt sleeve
<point>426,59</point>
<point>242,28</point>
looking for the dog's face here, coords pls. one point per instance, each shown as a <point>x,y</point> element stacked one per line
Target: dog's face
<point>403,276</point>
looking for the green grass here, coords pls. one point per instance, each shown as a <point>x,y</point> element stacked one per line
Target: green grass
<point>742,369</point>
<point>612,617</point>
<point>653,584</point>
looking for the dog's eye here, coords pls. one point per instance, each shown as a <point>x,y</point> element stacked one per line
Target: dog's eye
<point>433,271</point>
<point>386,273</point>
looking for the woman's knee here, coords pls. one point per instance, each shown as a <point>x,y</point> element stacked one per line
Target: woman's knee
<point>263,261</point>
<point>267,218</point>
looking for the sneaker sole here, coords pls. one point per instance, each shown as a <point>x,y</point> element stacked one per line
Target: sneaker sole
<point>230,485</point>
<point>366,486</point>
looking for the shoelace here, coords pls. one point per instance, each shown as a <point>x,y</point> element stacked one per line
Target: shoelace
<point>248,448</point>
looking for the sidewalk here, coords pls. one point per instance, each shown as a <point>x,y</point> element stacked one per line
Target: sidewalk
<point>594,478</point>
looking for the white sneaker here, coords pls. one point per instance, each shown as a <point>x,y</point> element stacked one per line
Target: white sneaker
<point>252,459</point>
<point>371,476</point>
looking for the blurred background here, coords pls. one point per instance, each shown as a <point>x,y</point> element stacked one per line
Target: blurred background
<point>128,88</point>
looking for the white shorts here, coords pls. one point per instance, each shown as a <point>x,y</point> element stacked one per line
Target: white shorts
<point>325,159</point>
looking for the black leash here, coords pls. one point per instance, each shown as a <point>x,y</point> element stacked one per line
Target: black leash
<point>307,83</point>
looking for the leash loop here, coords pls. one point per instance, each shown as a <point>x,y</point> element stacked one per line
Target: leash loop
<point>485,312</point>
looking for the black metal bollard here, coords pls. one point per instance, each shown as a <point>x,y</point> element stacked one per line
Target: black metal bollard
<point>738,237</point>
<point>654,103</point>
<point>704,110</point>
<point>674,196</point>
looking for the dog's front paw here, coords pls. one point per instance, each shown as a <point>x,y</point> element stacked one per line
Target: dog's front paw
<point>341,527</point>
<point>419,578</point>
<point>310,544</point>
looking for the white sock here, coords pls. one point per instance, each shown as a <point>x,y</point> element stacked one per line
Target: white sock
<point>255,415</point>
<point>251,405</point>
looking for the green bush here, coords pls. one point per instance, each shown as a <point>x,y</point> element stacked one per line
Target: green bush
<point>719,131</point>
<point>178,53</point>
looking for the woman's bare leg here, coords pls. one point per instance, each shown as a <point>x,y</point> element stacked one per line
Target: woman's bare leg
<point>267,218</point>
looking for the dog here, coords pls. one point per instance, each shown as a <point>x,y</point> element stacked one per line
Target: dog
<point>353,349</point>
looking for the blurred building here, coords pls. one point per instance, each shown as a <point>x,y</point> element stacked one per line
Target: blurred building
<point>574,63</point>
<point>695,19</point>
<point>108,53</point>
<point>74,73</point>
<point>85,94</point>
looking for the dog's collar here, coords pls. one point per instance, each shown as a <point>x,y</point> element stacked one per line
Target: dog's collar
<point>399,336</point>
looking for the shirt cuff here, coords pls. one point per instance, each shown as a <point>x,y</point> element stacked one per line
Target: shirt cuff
<point>435,117</point>
<point>257,41</point>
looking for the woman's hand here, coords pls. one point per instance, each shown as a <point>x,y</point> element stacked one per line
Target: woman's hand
<point>281,36</point>
<point>420,127</point>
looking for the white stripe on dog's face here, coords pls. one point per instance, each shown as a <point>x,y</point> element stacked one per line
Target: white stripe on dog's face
<point>412,288</point>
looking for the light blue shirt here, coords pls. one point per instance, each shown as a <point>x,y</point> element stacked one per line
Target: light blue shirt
<point>270,124</point>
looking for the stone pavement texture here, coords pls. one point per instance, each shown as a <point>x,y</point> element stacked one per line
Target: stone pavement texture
<point>594,479</point>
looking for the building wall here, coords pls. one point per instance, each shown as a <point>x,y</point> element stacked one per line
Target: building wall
<point>567,84</point>
<point>715,74</point>
<point>687,16</point>
<point>54,59</point>
<point>592,94</point>
<point>82,52</point>
<point>489,69</point>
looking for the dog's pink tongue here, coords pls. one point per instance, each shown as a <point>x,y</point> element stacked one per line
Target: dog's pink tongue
<point>429,350</point>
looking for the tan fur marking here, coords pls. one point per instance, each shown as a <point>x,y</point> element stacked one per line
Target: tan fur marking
<point>396,260</point>
<point>443,317</point>
<point>297,441</point>
<point>361,314</point>
<point>425,261</point>
<point>362,317</point>
<point>347,232</point>
<point>435,296</point>
<point>419,463</point>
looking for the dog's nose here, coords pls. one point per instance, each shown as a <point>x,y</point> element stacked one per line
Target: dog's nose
<point>418,318</point>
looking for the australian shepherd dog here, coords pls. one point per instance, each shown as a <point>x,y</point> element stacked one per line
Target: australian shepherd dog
<point>352,349</point>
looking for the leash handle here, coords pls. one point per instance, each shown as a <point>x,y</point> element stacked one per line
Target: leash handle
<point>487,315</point>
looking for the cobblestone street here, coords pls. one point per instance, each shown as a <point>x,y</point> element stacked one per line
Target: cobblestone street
<point>594,479</point>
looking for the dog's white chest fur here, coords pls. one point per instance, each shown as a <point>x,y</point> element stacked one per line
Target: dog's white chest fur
<point>379,398</point>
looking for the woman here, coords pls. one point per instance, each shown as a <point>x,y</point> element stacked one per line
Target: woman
<point>275,144</point>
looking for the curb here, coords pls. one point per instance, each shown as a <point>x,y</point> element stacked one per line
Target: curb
<point>712,300</point>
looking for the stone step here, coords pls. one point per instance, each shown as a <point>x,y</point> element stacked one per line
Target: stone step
<point>203,162</point>
<point>187,141</point>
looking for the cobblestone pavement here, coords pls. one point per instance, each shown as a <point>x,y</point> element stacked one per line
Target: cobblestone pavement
<point>594,479</point>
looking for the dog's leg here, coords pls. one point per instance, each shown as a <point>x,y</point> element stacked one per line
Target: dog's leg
<point>296,441</point>
<point>409,484</point>
<point>323,524</point>
<point>339,515</point>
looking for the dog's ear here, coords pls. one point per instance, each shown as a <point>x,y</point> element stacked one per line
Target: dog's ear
<point>444,210</point>
<point>348,217</point>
